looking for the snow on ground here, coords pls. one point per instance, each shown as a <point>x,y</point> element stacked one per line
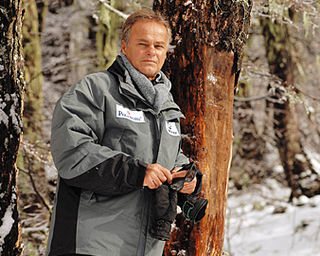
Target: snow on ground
<point>260,222</point>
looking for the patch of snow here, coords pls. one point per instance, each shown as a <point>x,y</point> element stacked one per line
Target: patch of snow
<point>302,200</point>
<point>6,143</point>
<point>4,118</point>
<point>13,114</point>
<point>50,172</point>
<point>2,104</point>
<point>182,253</point>
<point>262,231</point>
<point>7,222</point>
<point>314,158</point>
<point>278,169</point>
<point>314,201</point>
<point>188,3</point>
<point>212,78</point>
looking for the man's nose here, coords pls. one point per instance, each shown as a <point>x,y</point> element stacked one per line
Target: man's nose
<point>151,50</point>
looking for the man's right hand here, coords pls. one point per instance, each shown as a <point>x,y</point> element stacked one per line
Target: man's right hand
<point>156,175</point>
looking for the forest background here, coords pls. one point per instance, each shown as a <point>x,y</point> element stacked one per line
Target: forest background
<point>276,117</point>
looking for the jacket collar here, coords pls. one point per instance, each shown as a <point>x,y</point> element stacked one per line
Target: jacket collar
<point>126,86</point>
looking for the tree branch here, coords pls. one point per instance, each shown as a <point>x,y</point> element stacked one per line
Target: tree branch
<point>306,94</point>
<point>35,188</point>
<point>116,11</point>
<point>254,98</point>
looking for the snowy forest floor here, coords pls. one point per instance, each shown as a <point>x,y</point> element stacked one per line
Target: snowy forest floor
<point>261,222</point>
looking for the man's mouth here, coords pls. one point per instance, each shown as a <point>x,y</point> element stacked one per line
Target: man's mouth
<point>150,61</point>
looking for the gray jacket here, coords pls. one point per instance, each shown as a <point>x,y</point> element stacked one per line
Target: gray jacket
<point>103,135</point>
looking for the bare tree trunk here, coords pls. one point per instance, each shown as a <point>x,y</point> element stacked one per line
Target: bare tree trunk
<point>286,128</point>
<point>250,146</point>
<point>11,87</point>
<point>107,36</point>
<point>32,183</point>
<point>208,38</point>
<point>80,50</point>
<point>33,101</point>
<point>42,7</point>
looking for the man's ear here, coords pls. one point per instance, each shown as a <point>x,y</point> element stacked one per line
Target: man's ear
<point>123,46</point>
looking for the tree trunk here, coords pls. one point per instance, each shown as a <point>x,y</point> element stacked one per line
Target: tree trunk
<point>108,33</point>
<point>42,7</point>
<point>33,101</point>
<point>32,183</point>
<point>208,38</point>
<point>247,164</point>
<point>286,128</point>
<point>11,88</point>
<point>81,53</point>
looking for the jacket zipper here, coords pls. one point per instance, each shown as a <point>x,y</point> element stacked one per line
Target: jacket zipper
<point>144,227</point>
<point>156,118</point>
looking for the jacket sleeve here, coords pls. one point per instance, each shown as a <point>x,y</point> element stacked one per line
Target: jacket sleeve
<point>77,127</point>
<point>181,159</point>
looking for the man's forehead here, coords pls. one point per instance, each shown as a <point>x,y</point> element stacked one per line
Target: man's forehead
<point>149,25</point>
<point>146,31</point>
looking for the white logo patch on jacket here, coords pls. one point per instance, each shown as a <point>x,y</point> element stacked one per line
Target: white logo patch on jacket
<point>172,128</point>
<point>132,115</point>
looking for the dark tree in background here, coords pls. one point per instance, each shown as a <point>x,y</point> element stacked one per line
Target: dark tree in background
<point>11,88</point>
<point>204,67</point>
<point>282,64</point>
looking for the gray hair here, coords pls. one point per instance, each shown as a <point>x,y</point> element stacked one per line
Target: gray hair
<point>144,14</point>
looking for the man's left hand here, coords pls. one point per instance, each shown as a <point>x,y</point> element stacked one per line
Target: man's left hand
<point>188,187</point>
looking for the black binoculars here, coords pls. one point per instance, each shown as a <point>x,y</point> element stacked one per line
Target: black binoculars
<point>193,206</point>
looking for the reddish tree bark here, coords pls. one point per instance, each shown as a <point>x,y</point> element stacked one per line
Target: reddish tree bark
<point>208,37</point>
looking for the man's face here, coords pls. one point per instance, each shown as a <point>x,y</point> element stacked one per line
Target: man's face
<point>147,47</point>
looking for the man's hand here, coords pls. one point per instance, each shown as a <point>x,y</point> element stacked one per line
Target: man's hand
<point>188,187</point>
<point>156,175</point>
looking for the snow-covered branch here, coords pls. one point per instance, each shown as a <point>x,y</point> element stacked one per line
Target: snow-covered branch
<point>116,11</point>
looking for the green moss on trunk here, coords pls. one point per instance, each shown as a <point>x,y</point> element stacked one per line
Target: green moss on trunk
<point>33,73</point>
<point>107,38</point>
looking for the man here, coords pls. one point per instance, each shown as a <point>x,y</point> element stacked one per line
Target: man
<point>115,138</point>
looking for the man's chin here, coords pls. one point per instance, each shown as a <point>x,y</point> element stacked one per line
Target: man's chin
<point>150,75</point>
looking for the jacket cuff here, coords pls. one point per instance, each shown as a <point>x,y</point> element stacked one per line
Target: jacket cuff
<point>140,172</point>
